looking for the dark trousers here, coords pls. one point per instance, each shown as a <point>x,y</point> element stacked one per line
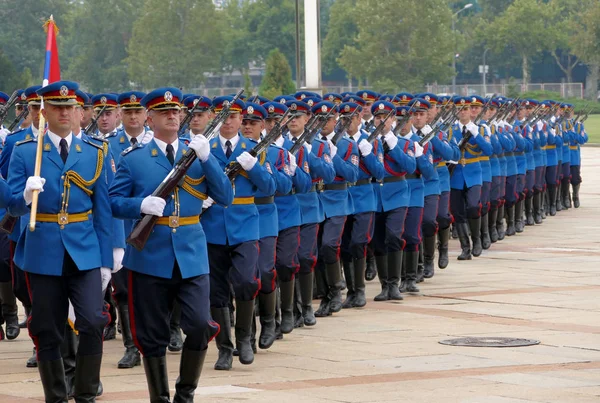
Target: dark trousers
<point>286,256</point>
<point>358,232</point>
<point>510,194</point>
<point>307,250</point>
<point>235,265</point>
<point>566,173</point>
<point>151,301</point>
<point>540,180</point>
<point>521,186</point>
<point>465,203</point>
<point>575,174</point>
<point>18,279</point>
<point>266,264</point>
<point>412,229</point>
<point>551,175</point>
<point>444,218</point>
<point>389,227</point>
<point>50,296</point>
<point>486,188</point>
<point>119,285</point>
<point>330,239</point>
<point>5,257</point>
<point>497,190</point>
<point>430,212</point>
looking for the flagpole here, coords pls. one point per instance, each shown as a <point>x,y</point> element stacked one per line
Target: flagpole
<point>37,171</point>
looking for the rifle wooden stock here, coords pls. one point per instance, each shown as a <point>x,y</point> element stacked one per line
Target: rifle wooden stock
<point>7,224</point>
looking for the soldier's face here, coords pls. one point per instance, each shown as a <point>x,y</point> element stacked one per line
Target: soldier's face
<point>199,121</point>
<point>528,111</point>
<point>431,112</point>
<point>330,125</point>
<point>231,126</point>
<point>133,120</point>
<point>367,110</point>
<point>164,123</point>
<point>475,110</point>
<point>77,118</point>
<point>59,118</point>
<point>297,123</point>
<point>354,124</point>
<point>252,128</point>
<point>34,112</point>
<point>88,113</point>
<point>490,112</point>
<point>270,124</point>
<point>388,124</point>
<point>27,121</point>
<point>419,119</point>
<point>108,121</point>
<point>464,114</point>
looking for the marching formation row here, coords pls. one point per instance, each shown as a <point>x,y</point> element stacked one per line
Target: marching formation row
<point>198,215</point>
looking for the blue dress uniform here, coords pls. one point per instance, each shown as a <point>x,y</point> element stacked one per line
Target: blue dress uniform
<point>289,221</point>
<point>189,101</point>
<point>359,227</point>
<point>579,137</point>
<point>337,205</point>
<point>566,160</point>
<point>73,230</point>
<point>232,236</point>
<point>466,182</point>
<point>539,155</point>
<point>511,196</point>
<point>551,164</point>
<point>173,264</point>
<point>392,202</point>
<point>268,230</point>
<point>495,194</point>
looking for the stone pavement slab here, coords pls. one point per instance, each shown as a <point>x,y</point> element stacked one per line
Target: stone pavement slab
<point>543,284</point>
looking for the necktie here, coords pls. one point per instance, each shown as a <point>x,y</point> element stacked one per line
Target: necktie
<point>64,151</point>
<point>464,132</point>
<point>324,138</point>
<point>133,141</point>
<point>170,154</point>
<point>419,133</point>
<point>294,139</point>
<point>228,149</point>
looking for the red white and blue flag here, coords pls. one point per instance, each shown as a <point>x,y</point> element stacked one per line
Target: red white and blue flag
<point>51,64</point>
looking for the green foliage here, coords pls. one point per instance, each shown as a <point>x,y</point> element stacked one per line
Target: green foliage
<point>578,104</point>
<point>278,76</point>
<point>10,79</point>
<point>592,128</point>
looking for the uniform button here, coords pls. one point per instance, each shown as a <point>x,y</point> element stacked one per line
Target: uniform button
<point>62,177</point>
<point>174,230</point>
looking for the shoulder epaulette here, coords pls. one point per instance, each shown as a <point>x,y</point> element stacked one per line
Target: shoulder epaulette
<point>98,146</point>
<point>15,132</point>
<point>111,134</point>
<point>97,138</point>
<point>18,143</point>
<point>131,148</point>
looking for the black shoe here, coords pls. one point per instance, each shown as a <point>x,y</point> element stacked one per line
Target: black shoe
<point>266,304</point>
<point>510,221</point>
<point>371,270</point>
<point>576,203</point>
<point>500,223</point>
<point>130,359</point>
<point>394,270</point>
<point>12,327</point>
<point>529,221</point>
<point>223,338</point>
<point>411,287</point>
<point>87,378</point>
<point>493,231</point>
<point>349,276</point>
<point>176,341</point>
<point>244,311</point>
<point>360,299</point>
<point>157,379</point>
<point>190,369</point>
<point>428,254</point>
<point>454,232</point>
<point>465,243</point>
<point>382,273</point>
<point>486,240</point>
<point>32,361</point>
<point>411,260</point>
<point>110,332</point>
<point>132,355</point>
<point>306,290</point>
<point>334,281</point>
<point>53,381</point>
<point>443,237</point>
<point>552,200</point>
<point>324,309</point>
<point>519,223</point>
<point>475,227</point>
<point>286,290</point>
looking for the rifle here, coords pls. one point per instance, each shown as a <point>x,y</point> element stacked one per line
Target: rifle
<point>379,129</point>
<point>402,121</point>
<point>143,228</point>
<point>308,134</point>
<point>183,126</point>
<point>93,126</point>
<point>339,132</point>
<point>7,106</point>
<point>22,116</point>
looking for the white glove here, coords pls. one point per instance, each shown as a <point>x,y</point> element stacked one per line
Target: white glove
<point>201,147</point>
<point>426,130</point>
<point>246,160</point>
<point>552,132</point>
<point>553,119</point>
<point>418,150</point>
<point>473,128</point>
<point>33,183</point>
<point>3,133</point>
<point>308,146</point>
<point>365,147</point>
<point>207,203</point>
<point>540,125</point>
<point>105,274</point>
<point>390,140</point>
<point>293,164</point>
<point>118,254</point>
<point>153,205</point>
<point>332,148</point>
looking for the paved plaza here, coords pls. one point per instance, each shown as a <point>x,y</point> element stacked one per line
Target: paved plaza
<point>543,284</point>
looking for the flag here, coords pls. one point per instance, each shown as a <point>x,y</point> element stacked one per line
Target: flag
<point>51,64</point>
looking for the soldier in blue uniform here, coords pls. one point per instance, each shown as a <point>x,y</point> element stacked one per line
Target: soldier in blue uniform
<point>253,118</point>
<point>466,180</point>
<point>322,171</point>
<point>565,175</point>
<point>578,138</point>
<point>360,225</point>
<point>369,97</point>
<point>174,263</point>
<point>540,139</point>
<point>109,120</point>
<point>232,236</point>
<point>551,176</point>
<point>202,115</point>
<point>74,232</point>
<point>393,196</point>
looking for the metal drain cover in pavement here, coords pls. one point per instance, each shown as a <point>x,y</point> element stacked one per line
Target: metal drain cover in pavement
<point>490,342</point>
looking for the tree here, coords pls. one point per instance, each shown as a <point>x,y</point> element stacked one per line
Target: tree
<point>175,42</point>
<point>278,76</point>
<point>341,32</point>
<point>10,79</point>
<point>586,44</point>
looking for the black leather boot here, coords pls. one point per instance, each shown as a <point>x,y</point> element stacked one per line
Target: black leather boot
<point>23,325</point>
<point>428,255</point>
<point>244,312</point>
<point>87,378</point>
<point>552,200</point>
<point>500,222</point>
<point>176,341</point>
<point>32,361</point>
<point>558,197</point>
<point>360,299</point>
<point>68,352</point>
<point>411,262</point>
<point>266,307</point>
<point>486,240</point>
<point>394,270</point>
<point>306,286</point>
<point>454,231</point>
<point>382,273</point>
<point>443,237</point>
<point>544,206</point>
<point>9,310</point>
<point>157,378</point>
<point>52,374</point>
<point>421,265</point>
<point>566,195</point>
<point>350,286</point>
<point>223,338</point>
<point>465,243</point>
<point>334,281</point>
<point>537,207</point>
<point>529,221</point>
<point>519,223</point>
<point>190,368</point>
<point>132,355</point>
<point>493,231</point>
<point>371,270</point>
<point>475,226</point>
<point>510,221</point>
<point>576,203</point>
<point>286,290</point>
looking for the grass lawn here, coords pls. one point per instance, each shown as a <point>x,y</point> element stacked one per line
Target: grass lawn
<point>592,127</point>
